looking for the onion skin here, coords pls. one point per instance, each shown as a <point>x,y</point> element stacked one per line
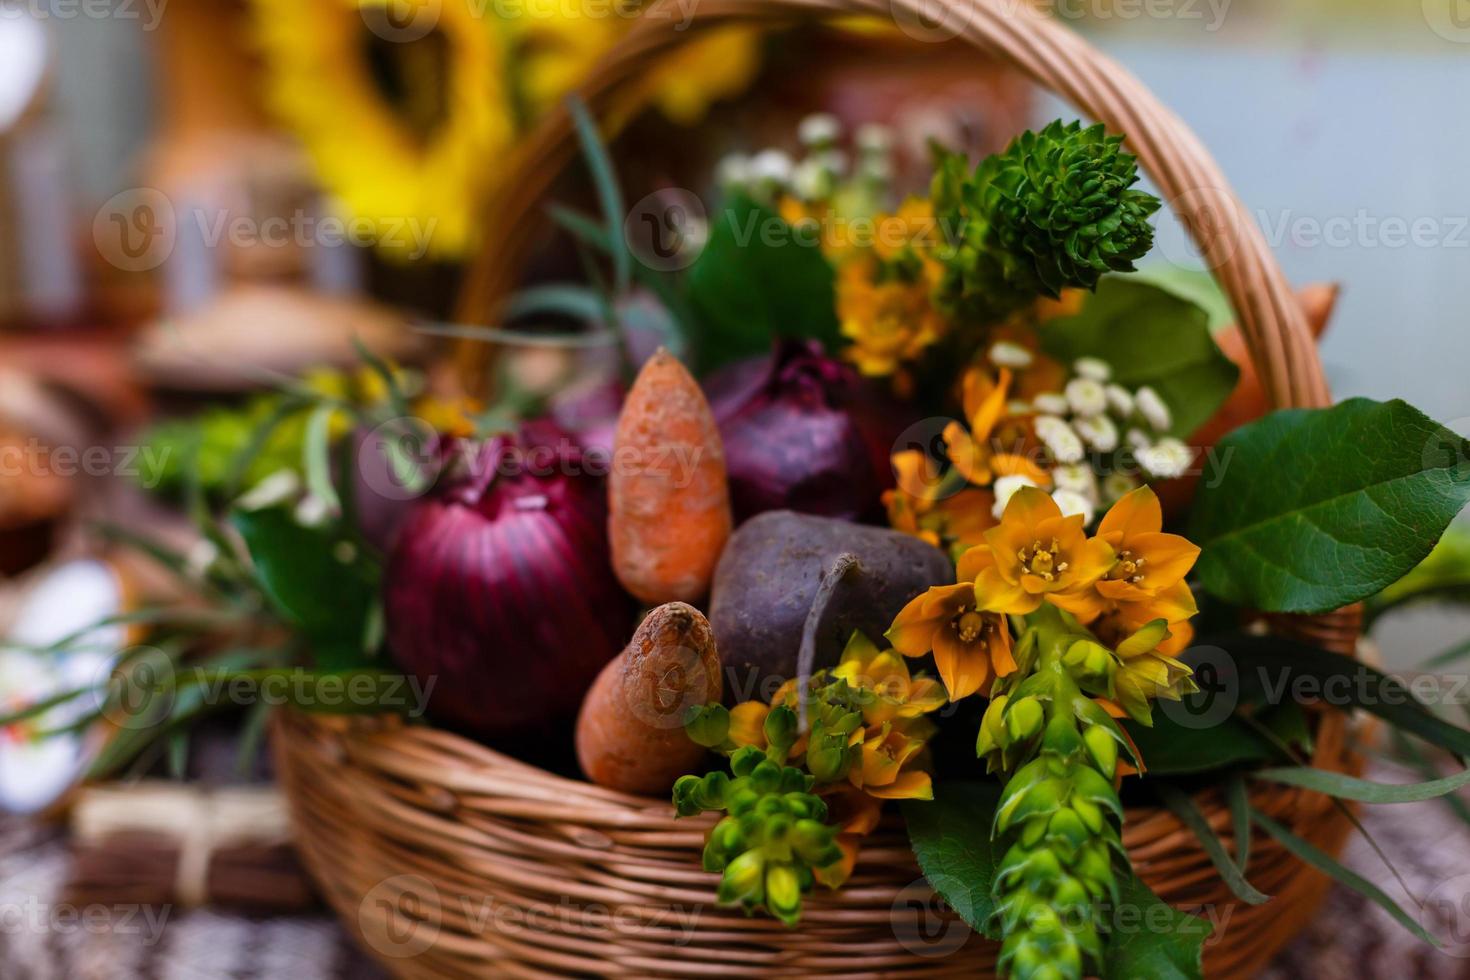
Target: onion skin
<point>501,589</point>
<point>803,432</point>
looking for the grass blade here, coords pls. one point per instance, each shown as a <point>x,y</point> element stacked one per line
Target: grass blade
<point>1183,807</point>
<point>1328,865</point>
<point>1362,790</point>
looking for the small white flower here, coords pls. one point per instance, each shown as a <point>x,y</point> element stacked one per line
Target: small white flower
<point>1087,397</point>
<point>1005,488</point>
<point>1153,409</point>
<point>1007,353</point>
<point>1138,440</point>
<point>1072,502</point>
<point>771,165</point>
<point>1093,369</point>
<point>274,489</point>
<point>1052,403</point>
<point>1120,400</point>
<point>1166,459</point>
<point>733,170</point>
<point>819,129</point>
<point>832,161</point>
<point>811,181</point>
<point>874,138</point>
<point>1059,438</point>
<point>312,511</point>
<point>199,559</point>
<point>1099,432</point>
<point>1116,486</point>
<point>1076,477</point>
<point>1018,406</point>
<point>878,170</point>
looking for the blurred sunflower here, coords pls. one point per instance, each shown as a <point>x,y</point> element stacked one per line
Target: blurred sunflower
<point>405,106</point>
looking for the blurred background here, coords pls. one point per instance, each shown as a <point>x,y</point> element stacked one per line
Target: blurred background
<point>199,198</point>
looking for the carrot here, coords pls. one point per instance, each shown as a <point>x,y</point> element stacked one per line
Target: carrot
<point>630,734</point>
<point>669,500</point>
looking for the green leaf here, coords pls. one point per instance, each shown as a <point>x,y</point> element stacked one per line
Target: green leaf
<point>951,839</point>
<point>317,457</point>
<point>1346,787</point>
<point>758,279</point>
<point>1314,509</point>
<point>1238,796</point>
<point>1271,669</point>
<point>1150,336</point>
<point>1195,285</point>
<point>316,579</point>
<point>1149,939</point>
<point>609,195</point>
<point>1444,576</point>
<point>1169,748</point>
<point>1183,807</point>
<point>1330,866</point>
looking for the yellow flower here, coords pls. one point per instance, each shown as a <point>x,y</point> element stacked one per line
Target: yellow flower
<point>1036,553</point>
<point>884,771</point>
<point>1149,562</point>
<point>884,675</point>
<point>889,323</point>
<point>974,452</point>
<point>969,644</point>
<point>747,724</point>
<point>1146,673</point>
<point>927,506</point>
<point>908,233</point>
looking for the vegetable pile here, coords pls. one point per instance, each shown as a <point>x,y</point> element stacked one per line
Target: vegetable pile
<point>906,474</point>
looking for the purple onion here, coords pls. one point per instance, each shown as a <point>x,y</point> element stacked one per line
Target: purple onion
<point>500,587</point>
<point>802,432</point>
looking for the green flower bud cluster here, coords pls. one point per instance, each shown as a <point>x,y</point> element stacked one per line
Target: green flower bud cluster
<point>1057,209</point>
<point>836,711</point>
<point>1059,817</point>
<point>774,843</point>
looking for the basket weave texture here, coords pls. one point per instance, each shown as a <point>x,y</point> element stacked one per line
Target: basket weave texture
<point>448,859</point>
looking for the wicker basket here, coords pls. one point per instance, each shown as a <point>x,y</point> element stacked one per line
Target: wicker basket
<point>451,860</point>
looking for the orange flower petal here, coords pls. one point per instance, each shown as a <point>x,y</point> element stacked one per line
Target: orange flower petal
<point>964,667</point>
<point>969,458</point>
<point>1169,557</point>
<point>994,594</point>
<point>912,632</point>
<point>915,785</point>
<point>1137,512</point>
<point>973,562</point>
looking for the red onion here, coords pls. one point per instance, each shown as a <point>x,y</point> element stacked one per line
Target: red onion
<point>500,587</point>
<point>802,432</point>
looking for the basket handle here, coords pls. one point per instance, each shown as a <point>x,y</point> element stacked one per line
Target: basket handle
<point>1010,31</point>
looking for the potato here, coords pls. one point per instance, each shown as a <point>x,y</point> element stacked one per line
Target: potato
<point>767,577</point>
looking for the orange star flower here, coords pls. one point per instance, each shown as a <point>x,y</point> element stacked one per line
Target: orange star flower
<point>1150,562</point>
<point>969,645</point>
<point>1036,553</point>
<point>973,451</point>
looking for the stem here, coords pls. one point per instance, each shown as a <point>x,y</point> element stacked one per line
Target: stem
<point>842,566</point>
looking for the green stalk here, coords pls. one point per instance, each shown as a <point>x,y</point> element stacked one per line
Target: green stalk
<point>1058,813</point>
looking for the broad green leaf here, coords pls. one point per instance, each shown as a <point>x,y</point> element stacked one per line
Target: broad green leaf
<point>1346,787</point>
<point>1195,285</point>
<point>758,279</point>
<point>1183,807</point>
<point>1150,336</point>
<point>319,581</point>
<point>1330,866</point>
<point>1149,939</point>
<point>951,839</point>
<point>1169,748</point>
<point>1443,576</point>
<point>1314,509</point>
